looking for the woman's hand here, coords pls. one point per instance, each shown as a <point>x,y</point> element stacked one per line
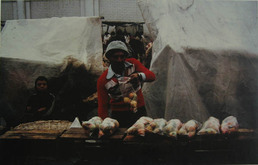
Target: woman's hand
<point>134,76</point>
<point>135,79</point>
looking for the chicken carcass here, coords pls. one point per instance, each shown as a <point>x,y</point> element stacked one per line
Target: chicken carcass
<point>229,124</point>
<point>189,128</point>
<point>211,126</point>
<point>108,127</point>
<point>138,128</point>
<point>156,126</point>
<point>172,128</point>
<point>92,124</point>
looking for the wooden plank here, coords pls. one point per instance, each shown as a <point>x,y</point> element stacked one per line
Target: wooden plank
<point>81,133</point>
<point>246,131</point>
<point>241,134</point>
<point>32,134</point>
<point>132,138</point>
<point>76,133</point>
<point>119,134</point>
<point>34,131</point>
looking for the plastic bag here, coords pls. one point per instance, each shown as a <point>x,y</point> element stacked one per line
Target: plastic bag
<point>189,128</point>
<point>127,86</point>
<point>92,124</point>
<point>138,128</point>
<point>172,128</point>
<point>108,127</point>
<point>128,91</point>
<point>156,126</point>
<point>229,124</point>
<point>211,126</point>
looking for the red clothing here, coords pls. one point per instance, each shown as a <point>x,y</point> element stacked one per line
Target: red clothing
<point>105,83</point>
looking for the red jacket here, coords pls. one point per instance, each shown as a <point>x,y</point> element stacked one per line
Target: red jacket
<point>108,80</point>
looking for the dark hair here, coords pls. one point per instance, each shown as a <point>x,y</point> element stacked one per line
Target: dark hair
<point>138,34</point>
<point>40,78</point>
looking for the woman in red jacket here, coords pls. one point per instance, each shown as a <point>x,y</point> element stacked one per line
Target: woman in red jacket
<point>111,90</point>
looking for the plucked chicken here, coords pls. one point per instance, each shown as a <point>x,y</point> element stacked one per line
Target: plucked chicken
<point>138,128</point>
<point>108,127</point>
<point>172,128</point>
<point>211,126</point>
<point>156,126</point>
<point>92,124</point>
<point>189,128</point>
<point>229,124</point>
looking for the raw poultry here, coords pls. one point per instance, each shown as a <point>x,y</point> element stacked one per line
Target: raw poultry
<point>108,127</point>
<point>138,128</point>
<point>172,128</point>
<point>211,126</point>
<point>229,124</point>
<point>92,124</point>
<point>156,126</point>
<point>189,128</point>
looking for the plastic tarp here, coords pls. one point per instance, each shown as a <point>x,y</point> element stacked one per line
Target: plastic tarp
<point>53,40</point>
<point>204,58</point>
<point>68,51</point>
<point>209,24</point>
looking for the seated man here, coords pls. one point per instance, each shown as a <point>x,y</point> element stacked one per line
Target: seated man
<point>109,86</point>
<point>41,103</point>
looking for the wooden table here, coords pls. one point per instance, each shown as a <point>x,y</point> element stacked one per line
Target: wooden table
<point>76,145</point>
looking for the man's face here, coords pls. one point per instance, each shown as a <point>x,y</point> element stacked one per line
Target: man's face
<point>41,85</point>
<point>117,60</point>
<point>117,57</point>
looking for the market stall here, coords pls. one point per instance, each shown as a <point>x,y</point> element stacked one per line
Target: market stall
<point>75,145</point>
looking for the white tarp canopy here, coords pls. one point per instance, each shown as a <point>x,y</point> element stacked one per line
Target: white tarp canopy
<point>209,24</point>
<point>68,51</point>
<point>205,59</point>
<point>53,40</point>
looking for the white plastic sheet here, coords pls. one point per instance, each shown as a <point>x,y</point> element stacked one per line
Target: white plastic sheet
<point>68,51</point>
<point>54,39</point>
<point>205,60</point>
<point>209,24</point>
